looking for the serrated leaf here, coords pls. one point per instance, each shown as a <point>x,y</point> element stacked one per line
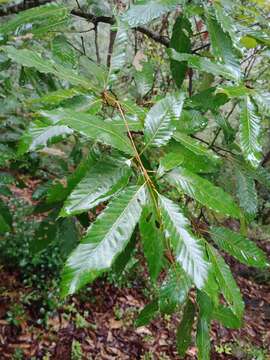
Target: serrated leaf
<point>159,127</point>
<point>207,100</point>
<point>190,122</point>
<point>187,248</point>
<point>144,78</point>
<point>40,135</point>
<point>143,14</point>
<point>203,326</point>
<point>63,52</point>
<point>184,330</point>
<point>203,191</point>
<point>93,128</point>
<point>263,102</point>
<point>119,53</point>
<point>58,192</point>
<point>104,179</point>
<point>246,192</point>
<point>55,98</point>
<point>222,46</point>
<point>152,240</point>
<point>196,147</point>
<point>250,127</point>
<point>39,20</point>
<point>180,41</point>
<point>177,154</point>
<point>226,282</point>
<point>226,317</point>
<point>260,174</point>
<point>204,64</point>
<point>243,249</point>
<point>105,239</point>
<point>33,59</point>
<point>147,314</point>
<point>174,290</point>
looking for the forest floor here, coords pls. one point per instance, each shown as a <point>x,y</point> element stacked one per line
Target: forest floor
<point>98,323</point>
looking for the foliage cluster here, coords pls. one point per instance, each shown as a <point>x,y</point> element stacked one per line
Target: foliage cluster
<point>124,144</point>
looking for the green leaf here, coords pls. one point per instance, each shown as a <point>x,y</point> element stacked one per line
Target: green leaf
<point>93,128</point>
<point>177,154</point>
<point>203,326</point>
<point>119,53</point>
<point>263,102</point>
<point>246,192</point>
<point>144,78</point>
<point>180,41</point>
<point>33,59</point>
<point>174,290</point>
<point>196,147</point>
<point>204,64</point>
<point>250,128</point>
<point>203,191</point>
<point>187,248</point>
<point>207,100</point>
<point>58,192</point>
<point>63,52</point>
<point>158,127</point>
<point>147,314</point>
<point>125,256</point>
<point>40,134</point>
<point>184,330</point>
<point>4,226</point>
<point>260,174</point>
<point>105,239</point>
<point>55,98</point>
<point>226,282</point>
<point>37,21</point>
<point>152,240</point>
<point>67,236</point>
<point>104,179</point>
<point>239,246</point>
<point>143,14</point>
<point>190,122</point>
<point>226,317</point>
<point>222,46</point>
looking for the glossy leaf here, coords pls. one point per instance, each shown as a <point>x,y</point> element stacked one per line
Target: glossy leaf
<point>105,239</point>
<point>246,192</point>
<point>104,179</point>
<point>226,317</point>
<point>159,128</point>
<point>226,282</point>
<point>180,41</point>
<point>222,46</point>
<point>143,14</point>
<point>250,128</point>
<point>203,191</point>
<point>187,248</point>
<point>191,121</point>
<point>196,147</point>
<point>204,64</point>
<point>243,249</point>
<point>33,59</point>
<point>184,330</point>
<point>93,128</point>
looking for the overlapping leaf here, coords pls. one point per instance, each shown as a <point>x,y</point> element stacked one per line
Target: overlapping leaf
<point>152,240</point>
<point>246,192</point>
<point>93,128</point>
<point>187,248</point>
<point>143,14</point>
<point>159,127</point>
<point>243,249</point>
<point>226,282</point>
<point>104,240</point>
<point>204,64</point>
<point>103,180</point>
<point>203,191</point>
